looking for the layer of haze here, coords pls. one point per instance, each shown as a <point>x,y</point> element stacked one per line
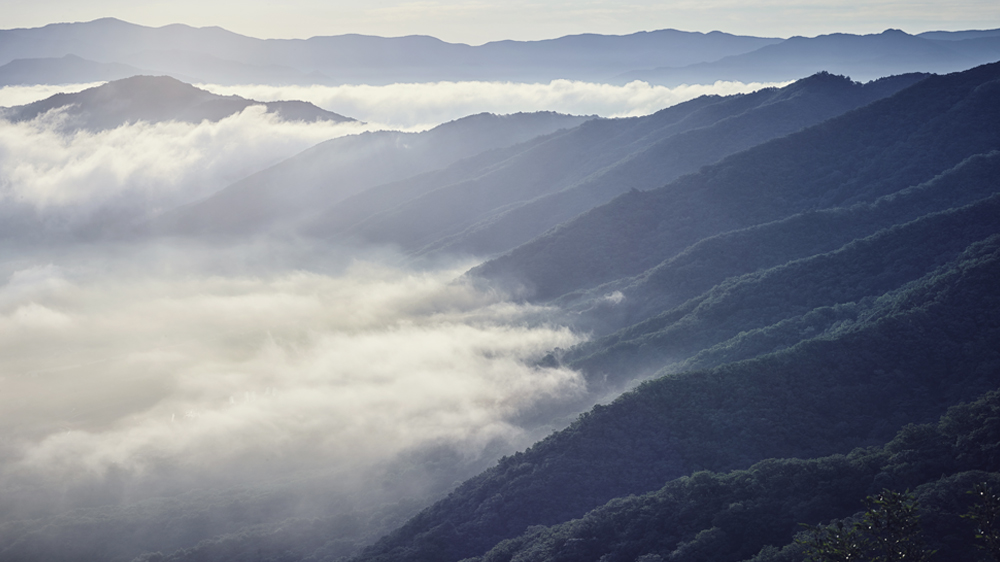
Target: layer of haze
<point>180,364</point>
<point>479,22</point>
<point>419,106</point>
<point>163,164</point>
<point>128,174</point>
<point>146,360</point>
<point>422,105</point>
<point>174,365</point>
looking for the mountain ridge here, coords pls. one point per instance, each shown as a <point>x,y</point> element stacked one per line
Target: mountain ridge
<point>371,59</point>
<point>155,99</point>
<point>864,57</point>
<point>688,209</point>
<point>888,329</point>
<point>341,167</point>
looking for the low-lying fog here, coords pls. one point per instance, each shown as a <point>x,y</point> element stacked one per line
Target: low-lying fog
<point>175,364</point>
<point>424,105</point>
<point>155,359</point>
<point>420,106</point>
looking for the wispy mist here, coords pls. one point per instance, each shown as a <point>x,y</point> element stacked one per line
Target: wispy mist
<point>421,105</point>
<point>110,365</point>
<point>22,95</point>
<point>97,180</point>
<point>175,365</point>
<point>142,168</point>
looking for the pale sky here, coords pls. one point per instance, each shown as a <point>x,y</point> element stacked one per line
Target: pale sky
<point>477,22</point>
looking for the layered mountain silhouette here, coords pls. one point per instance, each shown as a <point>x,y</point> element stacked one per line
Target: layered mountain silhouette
<point>68,69</point>
<point>864,57</point>
<point>507,201</point>
<point>155,99</point>
<point>494,201</point>
<point>336,169</point>
<point>877,157</point>
<point>667,56</point>
<point>215,55</point>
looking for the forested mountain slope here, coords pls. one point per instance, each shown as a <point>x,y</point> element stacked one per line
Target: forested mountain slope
<point>711,260</point>
<point>769,307</point>
<point>500,203</point>
<point>843,284</point>
<point>908,355</point>
<point>755,513</point>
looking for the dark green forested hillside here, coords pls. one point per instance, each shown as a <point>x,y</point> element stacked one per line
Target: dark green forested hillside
<point>808,296</point>
<point>914,352</point>
<point>790,302</point>
<point>756,513</point>
<point>710,261</point>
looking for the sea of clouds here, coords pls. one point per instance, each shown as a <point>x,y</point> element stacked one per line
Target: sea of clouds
<point>113,362</point>
<point>258,358</point>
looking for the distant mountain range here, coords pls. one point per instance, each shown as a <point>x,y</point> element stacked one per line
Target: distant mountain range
<point>214,55</point>
<point>154,99</point>
<point>862,57</point>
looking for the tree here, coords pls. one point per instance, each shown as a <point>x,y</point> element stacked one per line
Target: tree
<point>889,531</point>
<point>985,512</point>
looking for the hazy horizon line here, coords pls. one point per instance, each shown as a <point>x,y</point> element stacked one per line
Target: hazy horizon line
<point>583,33</point>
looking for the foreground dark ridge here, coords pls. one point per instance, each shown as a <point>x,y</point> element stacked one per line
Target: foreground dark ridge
<point>754,514</point>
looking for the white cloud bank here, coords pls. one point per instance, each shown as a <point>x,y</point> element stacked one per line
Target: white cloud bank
<point>144,167</point>
<point>106,367</point>
<point>423,105</point>
<point>23,95</point>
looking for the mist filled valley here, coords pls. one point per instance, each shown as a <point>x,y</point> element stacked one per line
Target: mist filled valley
<point>663,296</point>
